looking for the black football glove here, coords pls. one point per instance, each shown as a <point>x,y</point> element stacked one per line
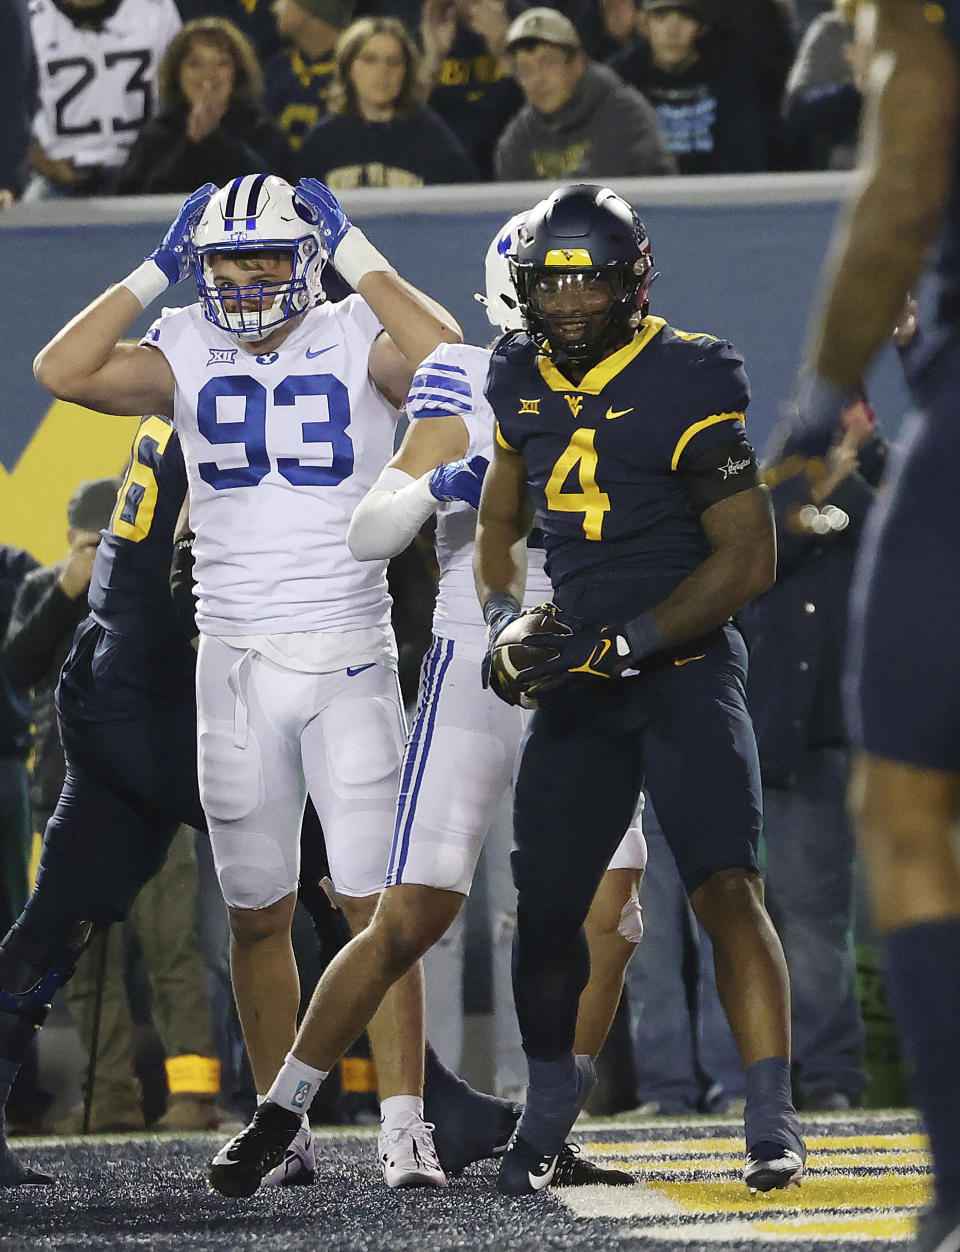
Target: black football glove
<point>599,651</point>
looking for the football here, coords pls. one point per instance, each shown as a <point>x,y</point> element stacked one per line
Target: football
<point>511,657</point>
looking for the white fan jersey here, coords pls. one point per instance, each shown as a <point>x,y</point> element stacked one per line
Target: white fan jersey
<point>98,87</point>
<point>280,448</point>
<point>451,381</point>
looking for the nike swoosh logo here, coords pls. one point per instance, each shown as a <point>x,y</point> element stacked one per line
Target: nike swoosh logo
<point>612,413</point>
<point>596,656</point>
<point>354,670</point>
<point>539,1181</point>
<point>687,659</point>
<point>319,352</point>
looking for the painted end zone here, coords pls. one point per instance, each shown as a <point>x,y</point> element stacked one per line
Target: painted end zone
<point>867,1174</point>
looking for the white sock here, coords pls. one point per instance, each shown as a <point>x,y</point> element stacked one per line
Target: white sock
<point>296,1085</point>
<point>400,1111</point>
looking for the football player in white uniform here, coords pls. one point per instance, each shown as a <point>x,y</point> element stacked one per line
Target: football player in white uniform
<point>460,754</point>
<point>286,409</point>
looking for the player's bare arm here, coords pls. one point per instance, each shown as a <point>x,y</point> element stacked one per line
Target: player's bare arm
<point>506,515</point>
<point>740,530</point>
<point>86,363</point>
<point>913,98</point>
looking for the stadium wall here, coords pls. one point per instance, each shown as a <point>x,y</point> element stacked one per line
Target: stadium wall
<point>737,256</point>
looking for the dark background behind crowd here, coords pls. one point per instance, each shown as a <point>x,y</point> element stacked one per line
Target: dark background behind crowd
<point>148,96</point>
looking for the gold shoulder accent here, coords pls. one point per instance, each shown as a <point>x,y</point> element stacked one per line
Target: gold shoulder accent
<point>695,429</point>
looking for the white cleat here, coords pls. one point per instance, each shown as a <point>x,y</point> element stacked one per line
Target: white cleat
<point>299,1166</point>
<point>408,1157</point>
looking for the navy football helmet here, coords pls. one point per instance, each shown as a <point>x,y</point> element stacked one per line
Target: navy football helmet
<point>582,270</point>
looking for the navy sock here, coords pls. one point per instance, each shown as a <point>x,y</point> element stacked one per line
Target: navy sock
<point>770,1117</point>
<point>923,985</point>
<point>555,1095</point>
<point>8,1076</point>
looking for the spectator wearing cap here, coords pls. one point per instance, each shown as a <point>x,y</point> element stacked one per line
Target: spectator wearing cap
<point>50,603</point>
<point>580,119</point>
<point>466,72</point>
<point>298,78</point>
<point>709,110</point>
<point>378,133</point>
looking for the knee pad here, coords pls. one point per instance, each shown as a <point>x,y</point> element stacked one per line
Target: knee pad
<point>231,774</point>
<point>251,869</point>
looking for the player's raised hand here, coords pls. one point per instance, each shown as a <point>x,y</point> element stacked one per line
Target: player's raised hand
<point>460,480</point>
<point>174,256</point>
<point>319,205</point>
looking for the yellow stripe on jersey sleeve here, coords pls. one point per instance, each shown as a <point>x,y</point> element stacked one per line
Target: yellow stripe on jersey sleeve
<point>695,429</point>
<point>498,435</point>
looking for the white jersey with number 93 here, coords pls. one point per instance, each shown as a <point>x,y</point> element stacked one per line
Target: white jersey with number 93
<point>280,448</point>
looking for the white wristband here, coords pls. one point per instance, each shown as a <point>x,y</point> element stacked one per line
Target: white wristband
<point>146,282</point>
<point>356,256</point>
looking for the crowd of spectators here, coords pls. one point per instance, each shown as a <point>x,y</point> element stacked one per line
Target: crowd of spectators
<point>138,96</point>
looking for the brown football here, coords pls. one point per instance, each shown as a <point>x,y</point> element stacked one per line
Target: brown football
<point>511,657</point>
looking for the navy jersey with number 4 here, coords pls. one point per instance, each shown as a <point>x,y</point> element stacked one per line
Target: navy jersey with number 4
<point>622,466</point>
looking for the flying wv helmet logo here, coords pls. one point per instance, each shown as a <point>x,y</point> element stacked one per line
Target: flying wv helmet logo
<point>575,403</point>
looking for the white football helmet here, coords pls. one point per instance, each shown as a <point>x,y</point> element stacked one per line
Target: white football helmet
<point>500,301</point>
<point>257,213</point>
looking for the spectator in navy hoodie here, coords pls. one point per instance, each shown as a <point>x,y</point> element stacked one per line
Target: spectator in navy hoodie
<point>709,110</point>
<point>378,132</point>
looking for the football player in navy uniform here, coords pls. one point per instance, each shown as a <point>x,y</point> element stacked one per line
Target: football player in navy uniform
<point>626,437</point>
<point>904,663</point>
<point>128,722</point>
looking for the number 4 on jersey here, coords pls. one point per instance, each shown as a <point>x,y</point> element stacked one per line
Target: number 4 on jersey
<point>579,455</point>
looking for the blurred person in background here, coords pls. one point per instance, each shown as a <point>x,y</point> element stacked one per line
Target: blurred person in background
<point>467,74</point>
<point>299,76</point>
<point>580,120</point>
<point>212,124</point>
<point>98,62</point>
<point>378,132</point>
<point>823,98</point>
<point>18,99</point>
<point>710,113</point>
<point>797,633</point>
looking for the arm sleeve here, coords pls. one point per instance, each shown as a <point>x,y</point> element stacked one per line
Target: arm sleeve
<point>390,515</point>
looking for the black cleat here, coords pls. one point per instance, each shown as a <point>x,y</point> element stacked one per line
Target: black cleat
<point>242,1164</point>
<point>524,1170</point>
<point>771,1166</point>
<point>573,1170</point>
